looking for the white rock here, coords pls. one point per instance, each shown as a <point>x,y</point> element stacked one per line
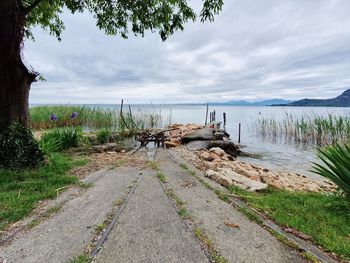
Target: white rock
<point>219,177</point>
<point>242,181</point>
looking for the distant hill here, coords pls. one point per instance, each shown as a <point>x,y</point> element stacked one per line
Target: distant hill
<point>255,103</point>
<point>342,100</point>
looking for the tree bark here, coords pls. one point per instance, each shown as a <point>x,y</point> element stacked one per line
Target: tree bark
<point>15,78</point>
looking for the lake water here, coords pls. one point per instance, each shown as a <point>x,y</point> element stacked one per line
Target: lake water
<point>276,155</point>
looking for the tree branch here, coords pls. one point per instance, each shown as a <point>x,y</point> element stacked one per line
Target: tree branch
<point>29,8</point>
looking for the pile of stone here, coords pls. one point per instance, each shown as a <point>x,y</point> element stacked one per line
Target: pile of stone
<point>218,166</point>
<point>198,137</point>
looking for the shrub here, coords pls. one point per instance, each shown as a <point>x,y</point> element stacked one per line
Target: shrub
<point>336,165</point>
<point>61,138</point>
<point>103,135</point>
<point>18,148</point>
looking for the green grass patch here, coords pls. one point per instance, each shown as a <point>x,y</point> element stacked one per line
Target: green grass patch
<point>100,227</point>
<point>161,177</point>
<point>183,213</point>
<point>153,165</point>
<point>21,190</point>
<point>323,217</point>
<point>85,185</point>
<point>215,256</point>
<point>83,258</point>
<point>184,166</point>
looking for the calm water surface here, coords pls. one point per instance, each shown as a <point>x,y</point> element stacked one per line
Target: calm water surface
<point>276,155</point>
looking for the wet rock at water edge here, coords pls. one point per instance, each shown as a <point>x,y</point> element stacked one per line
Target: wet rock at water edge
<point>204,134</point>
<point>197,145</point>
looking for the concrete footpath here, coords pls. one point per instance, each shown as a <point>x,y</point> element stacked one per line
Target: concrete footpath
<point>248,243</point>
<point>150,230</point>
<point>148,227</point>
<point>66,234</point>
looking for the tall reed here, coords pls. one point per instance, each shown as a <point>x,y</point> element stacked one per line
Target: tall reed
<point>306,129</point>
<point>92,118</point>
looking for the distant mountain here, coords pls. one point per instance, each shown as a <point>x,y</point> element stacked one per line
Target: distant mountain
<point>255,103</point>
<point>342,100</point>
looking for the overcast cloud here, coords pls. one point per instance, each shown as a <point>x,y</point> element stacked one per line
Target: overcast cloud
<point>254,50</point>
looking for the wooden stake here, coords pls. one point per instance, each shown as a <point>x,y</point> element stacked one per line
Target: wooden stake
<point>206,114</point>
<point>239,133</point>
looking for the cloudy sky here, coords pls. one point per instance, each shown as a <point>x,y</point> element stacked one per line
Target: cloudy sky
<point>254,50</point>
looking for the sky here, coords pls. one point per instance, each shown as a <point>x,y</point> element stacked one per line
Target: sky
<point>254,50</point>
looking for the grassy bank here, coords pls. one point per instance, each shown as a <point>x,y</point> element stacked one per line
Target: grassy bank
<point>92,118</point>
<point>324,218</point>
<point>308,129</point>
<point>20,191</point>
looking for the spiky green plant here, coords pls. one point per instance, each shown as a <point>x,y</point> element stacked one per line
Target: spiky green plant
<point>336,165</point>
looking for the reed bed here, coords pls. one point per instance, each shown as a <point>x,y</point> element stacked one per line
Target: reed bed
<point>307,129</point>
<point>93,118</point>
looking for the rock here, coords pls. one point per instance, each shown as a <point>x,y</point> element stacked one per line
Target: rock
<point>169,144</point>
<point>204,134</point>
<point>111,147</point>
<point>206,156</point>
<point>218,151</point>
<point>228,146</point>
<point>218,136</point>
<point>99,148</point>
<point>219,177</point>
<point>197,145</point>
<point>242,181</point>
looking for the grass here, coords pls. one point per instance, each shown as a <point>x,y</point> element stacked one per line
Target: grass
<point>216,257</point>
<point>183,213</point>
<point>93,118</point>
<point>153,165</point>
<point>83,258</point>
<point>325,218</point>
<point>161,177</point>
<point>307,129</point>
<point>21,190</point>
<point>100,227</point>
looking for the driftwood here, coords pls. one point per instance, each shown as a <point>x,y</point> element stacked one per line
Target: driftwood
<point>158,138</point>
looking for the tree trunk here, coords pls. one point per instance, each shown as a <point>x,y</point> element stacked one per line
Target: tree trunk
<point>15,78</point>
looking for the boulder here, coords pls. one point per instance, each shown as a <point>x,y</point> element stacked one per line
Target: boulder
<point>197,145</point>
<point>219,177</point>
<point>242,181</point>
<point>110,147</point>
<point>218,136</point>
<point>99,148</point>
<point>206,156</point>
<point>228,146</point>
<point>218,151</point>
<point>204,134</point>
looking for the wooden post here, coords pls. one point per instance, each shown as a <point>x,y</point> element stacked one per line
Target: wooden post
<point>214,117</point>
<point>121,107</point>
<point>224,117</point>
<point>239,133</point>
<point>206,114</point>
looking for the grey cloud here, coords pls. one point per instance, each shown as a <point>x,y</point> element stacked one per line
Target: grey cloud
<point>254,50</point>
